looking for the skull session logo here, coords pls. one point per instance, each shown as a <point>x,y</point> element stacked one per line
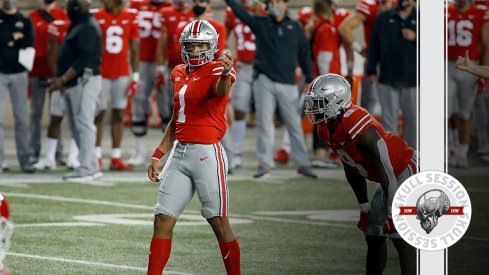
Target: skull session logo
<point>431,210</point>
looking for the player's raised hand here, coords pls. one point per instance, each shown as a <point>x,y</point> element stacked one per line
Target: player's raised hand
<point>463,63</point>
<point>153,172</point>
<point>227,61</point>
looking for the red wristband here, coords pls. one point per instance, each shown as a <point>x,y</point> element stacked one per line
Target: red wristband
<point>157,155</point>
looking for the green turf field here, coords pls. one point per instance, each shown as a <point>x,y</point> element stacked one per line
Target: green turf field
<point>284,226</point>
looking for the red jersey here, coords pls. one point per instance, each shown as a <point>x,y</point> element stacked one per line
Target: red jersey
<point>306,13</point>
<point>345,132</point>
<point>221,41</point>
<point>172,18</point>
<point>117,32</point>
<point>149,28</point>
<point>245,39</point>
<point>200,111</point>
<point>325,31</point>
<point>57,30</point>
<point>464,30</point>
<point>41,42</point>
<point>369,9</point>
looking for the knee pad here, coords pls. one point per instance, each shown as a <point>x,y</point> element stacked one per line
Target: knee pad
<point>139,128</point>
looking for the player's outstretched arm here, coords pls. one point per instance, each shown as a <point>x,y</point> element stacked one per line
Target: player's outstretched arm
<point>165,146</point>
<point>375,149</point>
<point>464,64</point>
<point>346,31</point>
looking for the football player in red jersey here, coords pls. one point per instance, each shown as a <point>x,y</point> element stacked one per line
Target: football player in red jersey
<point>6,230</point>
<point>56,33</point>
<point>47,12</point>
<point>367,151</point>
<point>120,41</point>
<point>149,33</point>
<point>241,94</point>
<point>196,160</point>
<point>468,30</point>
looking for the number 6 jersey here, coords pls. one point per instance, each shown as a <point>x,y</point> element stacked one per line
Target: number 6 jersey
<point>342,134</point>
<point>117,32</point>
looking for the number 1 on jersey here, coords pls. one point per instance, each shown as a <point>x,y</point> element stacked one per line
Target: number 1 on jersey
<point>181,98</point>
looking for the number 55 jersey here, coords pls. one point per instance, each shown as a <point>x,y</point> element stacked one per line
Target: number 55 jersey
<point>342,135</point>
<point>117,32</point>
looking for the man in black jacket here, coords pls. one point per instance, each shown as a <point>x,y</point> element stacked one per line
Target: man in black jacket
<point>392,47</point>
<point>16,33</point>
<point>280,46</point>
<point>79,76</point>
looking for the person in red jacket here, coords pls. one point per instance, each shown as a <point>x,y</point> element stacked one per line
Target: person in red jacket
<point>197,160</point>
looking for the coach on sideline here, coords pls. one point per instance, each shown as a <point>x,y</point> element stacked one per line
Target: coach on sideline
<point>16,33</point>
<point>79,77</point>
<point>280,45</point>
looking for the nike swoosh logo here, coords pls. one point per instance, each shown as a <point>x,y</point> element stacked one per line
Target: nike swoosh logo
<point>196,78</point>
<point>202,159</point>
<point>227,255</point>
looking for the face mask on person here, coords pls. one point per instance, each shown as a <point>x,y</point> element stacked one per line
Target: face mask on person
<point>275,10</point>
<point>74,10</point>
<point>8,5</point>
<point>47,2</point>
<point>198,10</point>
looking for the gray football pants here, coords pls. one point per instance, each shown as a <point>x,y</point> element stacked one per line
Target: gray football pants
<point>394,99</point>
<point>16,86</point>
<point>268,95</point>
<point>81,103</point>
<point>38,89</point>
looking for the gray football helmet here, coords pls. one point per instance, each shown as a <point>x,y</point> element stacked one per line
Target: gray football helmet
<point>198,31</point>
<point>328,96</point>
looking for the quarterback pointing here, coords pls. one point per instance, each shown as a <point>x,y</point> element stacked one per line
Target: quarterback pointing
<point>196,161</point>
<point>367,151</point>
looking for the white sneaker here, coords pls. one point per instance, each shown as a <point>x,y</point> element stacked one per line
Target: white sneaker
<point>236,162</point>
<point>45,163</point>
<point>5,166</point>
<point>72,163</point>
<point>138,158</point>
<point>97,175</point>
<point>463,162</point>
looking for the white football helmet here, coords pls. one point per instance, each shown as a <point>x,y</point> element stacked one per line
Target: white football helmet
<point>198,31</point>
<point>6,228</point>
<point>328,96</point>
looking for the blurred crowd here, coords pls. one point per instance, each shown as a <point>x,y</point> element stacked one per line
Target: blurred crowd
<point>139,47</point>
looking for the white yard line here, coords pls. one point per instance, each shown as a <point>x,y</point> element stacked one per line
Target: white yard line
<point>65,199</point>
<point>58,224</point>
<point>56,259</point>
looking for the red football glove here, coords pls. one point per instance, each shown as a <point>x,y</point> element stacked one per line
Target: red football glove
<point>132,89</point>
<point>160,82</point>
<point>363,221</point>
<point>389,227</point>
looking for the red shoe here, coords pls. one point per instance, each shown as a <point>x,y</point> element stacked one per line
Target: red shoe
<point>120,165</point>
<point>281,156</point>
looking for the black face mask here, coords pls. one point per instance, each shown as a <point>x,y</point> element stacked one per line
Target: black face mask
<point>198,10</point>
<point>74,10</point>
<point>8,5</point>
<point>47,2</point>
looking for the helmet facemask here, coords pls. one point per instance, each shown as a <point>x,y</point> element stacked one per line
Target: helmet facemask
<point>198,43</point>
<point>328,96</point>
